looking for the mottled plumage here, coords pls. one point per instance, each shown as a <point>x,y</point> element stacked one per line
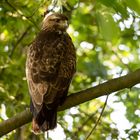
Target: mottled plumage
<point>50,66</point>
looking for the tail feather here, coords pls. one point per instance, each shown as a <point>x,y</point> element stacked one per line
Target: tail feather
<point>45,120</point>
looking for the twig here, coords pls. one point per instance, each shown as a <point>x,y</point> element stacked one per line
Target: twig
<point>27,17</point>
<point>14,47</point>
<point>47,134</point>
<point>19,40</point>
<point>40,5</point>
<point>117,55</point>
<point>97,122</point>
<point>74,135</point>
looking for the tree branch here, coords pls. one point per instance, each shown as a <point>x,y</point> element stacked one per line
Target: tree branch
<point>19,40</point>
<point>21,15</point>
<point>105,88</point>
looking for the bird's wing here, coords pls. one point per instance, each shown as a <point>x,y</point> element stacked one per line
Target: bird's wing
<point>45,72</point>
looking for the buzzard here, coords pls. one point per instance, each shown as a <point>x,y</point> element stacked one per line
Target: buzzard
<point>50,66</point>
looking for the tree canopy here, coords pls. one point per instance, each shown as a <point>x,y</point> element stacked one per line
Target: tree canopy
<point>106,34</point>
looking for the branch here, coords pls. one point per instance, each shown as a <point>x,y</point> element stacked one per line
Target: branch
<point>98,120</point>
<point>105,88</point>
<point>19,40</point>
<point>20,14</point>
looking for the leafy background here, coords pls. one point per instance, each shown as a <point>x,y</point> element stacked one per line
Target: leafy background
<point>106,34</point>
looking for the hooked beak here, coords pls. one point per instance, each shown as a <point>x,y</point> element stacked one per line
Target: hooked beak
<point>65,24</point>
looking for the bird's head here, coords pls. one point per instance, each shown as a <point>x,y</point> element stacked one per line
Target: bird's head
<point>56,21</point>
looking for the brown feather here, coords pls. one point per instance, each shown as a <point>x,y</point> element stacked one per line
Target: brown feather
<point>50,66</point>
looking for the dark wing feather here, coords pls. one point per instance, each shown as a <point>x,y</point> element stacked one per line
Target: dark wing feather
<point>50,67</point>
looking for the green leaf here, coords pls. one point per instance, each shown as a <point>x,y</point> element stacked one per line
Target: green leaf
<point>108,28</point>
<point>117,6</point>
<point>134,5</point>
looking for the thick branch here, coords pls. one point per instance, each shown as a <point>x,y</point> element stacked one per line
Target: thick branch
<point>105,88</point>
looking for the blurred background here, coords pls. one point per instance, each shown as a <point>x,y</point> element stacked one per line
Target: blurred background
<point>106,34</point>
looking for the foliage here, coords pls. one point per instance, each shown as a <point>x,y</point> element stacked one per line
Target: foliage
<point>106,34</point>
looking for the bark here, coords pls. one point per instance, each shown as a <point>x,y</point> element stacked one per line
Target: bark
<point>105,88</point>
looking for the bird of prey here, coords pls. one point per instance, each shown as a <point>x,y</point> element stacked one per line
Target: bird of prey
<point>50,66</point>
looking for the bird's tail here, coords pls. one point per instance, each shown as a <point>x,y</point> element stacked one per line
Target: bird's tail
<point>45,120</point>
